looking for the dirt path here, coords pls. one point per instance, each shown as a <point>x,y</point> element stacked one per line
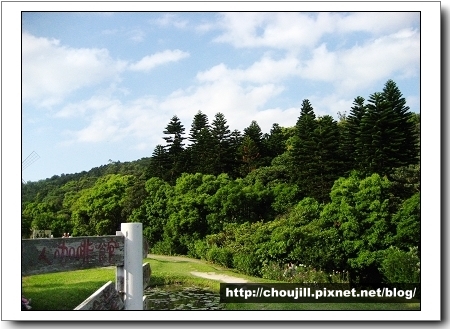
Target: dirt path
<point>175,258</point>
<point>206,275</point>
<point>219,277</point>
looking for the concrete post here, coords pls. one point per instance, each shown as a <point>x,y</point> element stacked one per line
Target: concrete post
<point>120,279</point>
<point>133,274</point>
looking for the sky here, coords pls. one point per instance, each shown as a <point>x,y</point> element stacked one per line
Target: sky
<point>102,86</point>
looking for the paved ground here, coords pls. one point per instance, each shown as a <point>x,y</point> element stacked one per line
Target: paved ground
<point>219,277</point>
<point>206,275</point>
<point>175,258</point>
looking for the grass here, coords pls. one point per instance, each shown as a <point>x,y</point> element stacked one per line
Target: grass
<point>65,291</point>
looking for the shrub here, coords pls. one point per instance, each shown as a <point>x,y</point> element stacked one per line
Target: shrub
<point>198,249</point>
<point>247,263</point>
<point>221,256</point>
<point>272,271</point>
<point>401,266</point>
<point>163,247</point>
<point>301,274</point>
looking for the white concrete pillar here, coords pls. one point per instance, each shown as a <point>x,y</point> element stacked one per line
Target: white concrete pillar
<point>133,274</point>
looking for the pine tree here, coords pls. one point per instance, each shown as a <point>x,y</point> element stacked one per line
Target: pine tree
<point>328,161</point>
<point>159,165</point>
<point>351,135</point>
<point>174,147</point>
<point>275,142</point>
<point>375,136</point>
<point>388,138</point>
<point>200,151</point>
<point>221,151</point>
<point>304,148</point>
<point>235,160</point>
<point>406,141</point>
<point>254,132</point>
<point>250,155</point>
<point>199,123</point>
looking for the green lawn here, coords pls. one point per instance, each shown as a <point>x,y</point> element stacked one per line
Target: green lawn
<point>66,290</point>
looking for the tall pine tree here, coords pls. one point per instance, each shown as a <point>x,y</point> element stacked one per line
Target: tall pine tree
<point>159,165</point>
<point>200,151</point>
<point>174,147</point>
<point>351,144</point>
<point>255,134</point>
<point>221,151</point>
<point>388,138</point>
<point>327,155</point>
<point>275,142</point>
<point>304,149</point>
<point>250,155</point>
<point>407,133</point>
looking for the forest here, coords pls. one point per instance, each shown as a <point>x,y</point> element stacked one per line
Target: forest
<point>330,196</point>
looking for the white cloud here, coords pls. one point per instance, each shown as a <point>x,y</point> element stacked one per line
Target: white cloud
<point>264,71</point>
<point>330,104</point>
<point>376,23</point>
<point>111,120</point>
<point>243,94</point>
<point>240,104</point>
<point>168,20</point>
<point>109,32</point>
<point>276,30</point>
<point>136,35</point>
<point>362,65</point>
<point>51,71</point>
<point>300,31</point>
<point>149,62</point>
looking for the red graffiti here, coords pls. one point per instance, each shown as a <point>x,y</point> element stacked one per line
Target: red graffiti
<point>86,252</point>
<point>107,250</point>
<point>43,257</point>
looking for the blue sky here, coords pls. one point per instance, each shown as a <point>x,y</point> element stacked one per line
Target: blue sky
<point>103,86</point>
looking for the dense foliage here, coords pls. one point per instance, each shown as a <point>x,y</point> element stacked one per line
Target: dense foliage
<point>329,197</point>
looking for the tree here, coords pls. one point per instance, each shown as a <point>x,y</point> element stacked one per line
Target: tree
<point>304,149</point>
<point>250,155</point>
<point>99,209</point>
<point>160,165</point>
<point>174,147</point>
<point>275,142</point>
<point>254,132</point>
<point>407,129</point>
<point>221,151</point>
<point>359,220</point>
<point>199,123</point>
<point>407,221</point>
<point>388,137</point>
<point>328,162</point>
<point>351,145</point>
<point>153,212</point>
<point>200,151</point>
<point>235,159</point>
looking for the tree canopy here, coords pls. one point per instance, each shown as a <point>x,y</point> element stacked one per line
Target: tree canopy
<point>336,196</point>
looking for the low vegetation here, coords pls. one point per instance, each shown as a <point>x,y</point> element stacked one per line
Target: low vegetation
<point>340,200</point>
<point>65,291</point>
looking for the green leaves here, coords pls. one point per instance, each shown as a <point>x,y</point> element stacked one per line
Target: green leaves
<point>98,210</point>
<point>400,266</point>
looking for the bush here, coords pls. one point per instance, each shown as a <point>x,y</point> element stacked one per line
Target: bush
<point>163,247</point>
<point>272,271</point>
<point>401,266</point>
<point>301,274</point>
<point>198,249</point>
<point>221,256</point>
<point>247,263</point>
